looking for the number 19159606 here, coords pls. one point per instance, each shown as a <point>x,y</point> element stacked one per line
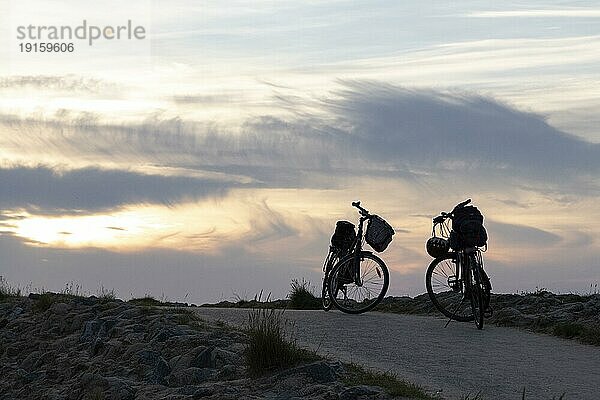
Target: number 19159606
<point>46,47</point>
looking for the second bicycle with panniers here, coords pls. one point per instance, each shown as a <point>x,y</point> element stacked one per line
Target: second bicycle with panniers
<point>356,280</point>
<point>456,282</point>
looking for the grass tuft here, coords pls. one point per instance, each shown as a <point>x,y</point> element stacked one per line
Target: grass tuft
<point>145,301</point>
<point>573,330</point>
<point>7,291</point>
<point>72,290</point>
<point>302,296</point>
<point>269,347</point>
<point>106,294</point>
<point>45,301</point>
<point>568,330</point>
<point>395,387</point>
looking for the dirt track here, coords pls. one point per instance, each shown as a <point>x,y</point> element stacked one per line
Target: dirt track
<point>456,361</point>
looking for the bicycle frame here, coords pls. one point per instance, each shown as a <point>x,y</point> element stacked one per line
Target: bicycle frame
<point>355,249</point>
<point>358,250</point>
<point>355,280</point>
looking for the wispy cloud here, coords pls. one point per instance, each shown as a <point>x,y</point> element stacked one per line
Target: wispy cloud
<point>43,190</point>
<point>539,13</point>
<point>514,235</point>
<point>53,82</point>
<point>364,128</point>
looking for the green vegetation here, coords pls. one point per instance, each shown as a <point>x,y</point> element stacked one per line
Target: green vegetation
<point>45,300</point>
<point>302,296</point>
<point>106,294</point>
<point>72,290</point>
<point>357,375</point>
<point>7,291</point>
<point>145,301</point>
<point>185,317</point>
<point>583,333</point>
<point>269,348</point>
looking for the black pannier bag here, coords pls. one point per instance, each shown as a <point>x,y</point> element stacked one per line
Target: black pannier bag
<point>344,236</point>
<point>379,233</point>
<point>468,224</point>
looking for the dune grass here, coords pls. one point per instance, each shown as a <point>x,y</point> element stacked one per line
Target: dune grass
<point>573,330</point>
<point>394,386</point>
<point>7,291</point>
<point>147,300</point>
<point>302,296</point>
<point>270,346</point>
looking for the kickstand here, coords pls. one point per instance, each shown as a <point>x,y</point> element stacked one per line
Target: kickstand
<point>454,313</point>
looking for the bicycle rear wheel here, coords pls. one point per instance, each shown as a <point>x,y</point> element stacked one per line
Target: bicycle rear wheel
<point>477,290</point>
<point>446,288</point>
<point>325,300</point>
<point>332,258</point>
<point>357,285</point>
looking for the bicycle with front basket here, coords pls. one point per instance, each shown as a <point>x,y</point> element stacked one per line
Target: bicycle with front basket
<point>456,282</point>
<point>356,280</point>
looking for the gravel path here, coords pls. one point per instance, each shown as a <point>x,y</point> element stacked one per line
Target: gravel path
<point>454,361</point>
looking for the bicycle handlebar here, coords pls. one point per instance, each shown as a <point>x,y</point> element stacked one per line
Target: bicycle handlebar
<point>363,212</point>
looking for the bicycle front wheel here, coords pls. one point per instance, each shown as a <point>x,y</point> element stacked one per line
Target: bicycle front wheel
<point>446,288</point>
<point>356,285</point>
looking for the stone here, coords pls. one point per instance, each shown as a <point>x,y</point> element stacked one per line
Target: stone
<point>15,313</point>
<point>204,359</point>
<point>166,333</point>
<point>86,301</point>
<point>29,362</point>
<point>90,330</point>
<point>227,372</point>
<point>202,393</point>
<point>119,389</point>
<point>359,392</point>
<point>97,346</point>
<point>319,371</point>
<point>190,376</point>
<point>59,308</point>
<point>159,367</point>
<point>222,357</point>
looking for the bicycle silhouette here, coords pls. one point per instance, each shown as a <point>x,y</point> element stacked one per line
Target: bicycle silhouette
<point>356,280</point>
<point>455,280</point>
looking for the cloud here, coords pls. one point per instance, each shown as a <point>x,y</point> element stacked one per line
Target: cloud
<point>202,99</point>
<point>541,13</point>
<point>52,82</point>
<point>513,235</point>
<point>269,225</point>
<point>438,128</point>
<point>363,129</point>
<point>45,190</point>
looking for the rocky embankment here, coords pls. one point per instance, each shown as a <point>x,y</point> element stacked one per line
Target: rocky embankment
<point>566,315</point>
<point>65,347</point>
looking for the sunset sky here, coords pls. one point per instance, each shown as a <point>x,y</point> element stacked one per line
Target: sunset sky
<point>211,159</point>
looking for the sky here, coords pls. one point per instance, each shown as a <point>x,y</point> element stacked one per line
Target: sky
<point>210,160</point>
